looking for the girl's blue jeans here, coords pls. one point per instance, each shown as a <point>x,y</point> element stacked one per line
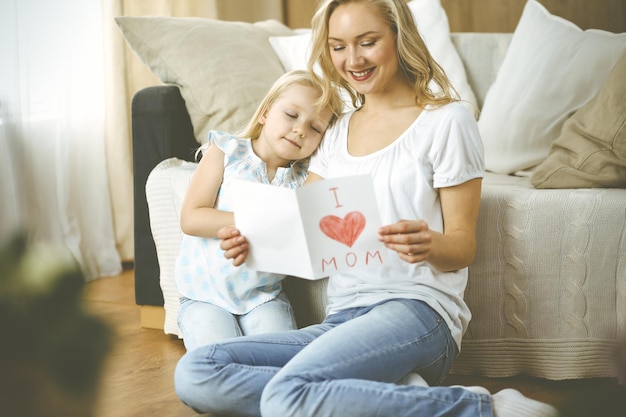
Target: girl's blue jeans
<point>202,323</point>
<point>346,366</point>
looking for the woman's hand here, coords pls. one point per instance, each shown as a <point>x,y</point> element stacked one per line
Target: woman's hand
<point>412,239</point>
<point>234,245</point>
<point>448,251</point>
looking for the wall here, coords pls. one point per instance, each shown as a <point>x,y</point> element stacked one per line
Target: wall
<point>299,12</point>
<point>503,15</point>
<point>251,10</point>
<point>499,15</point>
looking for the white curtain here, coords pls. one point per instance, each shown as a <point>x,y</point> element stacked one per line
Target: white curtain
<point>126,75</point>
<point>52,153</point>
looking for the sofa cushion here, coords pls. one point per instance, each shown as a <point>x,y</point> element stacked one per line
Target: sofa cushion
<point>432,22</point>
<point>591,150</point>
<point>223,69</point>
<point>551,69</point>
<point>482,55</point>
<point>165,191</point>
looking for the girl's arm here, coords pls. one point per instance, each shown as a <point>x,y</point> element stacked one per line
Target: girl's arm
<point>198,216</point>
<point>448,251</point>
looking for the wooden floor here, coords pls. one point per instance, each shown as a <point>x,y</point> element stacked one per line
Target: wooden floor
<point>138,379</point>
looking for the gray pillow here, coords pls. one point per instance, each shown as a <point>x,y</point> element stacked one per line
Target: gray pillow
<point>223,69</point>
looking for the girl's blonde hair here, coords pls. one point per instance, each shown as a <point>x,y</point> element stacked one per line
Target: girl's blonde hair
<point>331,100</point>
<point>414,59</point>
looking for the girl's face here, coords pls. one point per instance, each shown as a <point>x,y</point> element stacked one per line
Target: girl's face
<point>292,130</point>
<point>362,48</point>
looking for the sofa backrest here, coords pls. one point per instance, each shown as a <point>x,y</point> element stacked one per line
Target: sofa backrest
<point>482,54</point>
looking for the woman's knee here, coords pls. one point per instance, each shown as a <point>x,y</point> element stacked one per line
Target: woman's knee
<point>194,378</point>
<point>184,381</point>
<point>281,396</point>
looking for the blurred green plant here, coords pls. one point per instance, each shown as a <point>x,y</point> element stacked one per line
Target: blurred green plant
<point>51,345</point>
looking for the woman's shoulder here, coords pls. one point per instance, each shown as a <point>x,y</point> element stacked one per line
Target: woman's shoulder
<point>455,110</point>
<point>448,115</point>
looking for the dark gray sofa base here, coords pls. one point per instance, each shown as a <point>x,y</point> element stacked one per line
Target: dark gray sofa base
<point>161,129</point>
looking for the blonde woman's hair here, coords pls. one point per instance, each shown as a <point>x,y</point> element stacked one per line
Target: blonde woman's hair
<point>414,59</point>
<point>332,100</point>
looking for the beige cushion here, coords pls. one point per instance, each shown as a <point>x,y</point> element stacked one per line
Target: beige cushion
<point>591,150</point>
<point>223,68</point>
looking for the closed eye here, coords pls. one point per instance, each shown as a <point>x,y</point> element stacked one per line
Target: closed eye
<point>335,45</point>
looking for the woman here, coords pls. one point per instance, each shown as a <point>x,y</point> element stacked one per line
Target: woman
<point>404,321</point>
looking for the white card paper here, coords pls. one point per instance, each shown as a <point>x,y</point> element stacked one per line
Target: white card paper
<point>313,231</point>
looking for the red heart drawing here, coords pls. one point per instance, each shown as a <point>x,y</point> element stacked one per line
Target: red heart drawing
<point>346,230</point>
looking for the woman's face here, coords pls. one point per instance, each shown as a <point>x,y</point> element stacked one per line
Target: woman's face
<point>363,48</point>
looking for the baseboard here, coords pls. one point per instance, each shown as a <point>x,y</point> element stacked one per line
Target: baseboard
<point>152,317</point>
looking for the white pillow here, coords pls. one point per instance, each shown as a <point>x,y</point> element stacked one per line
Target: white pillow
<point>551,69</point>
<point>292,51</point>
<point>432,23</point>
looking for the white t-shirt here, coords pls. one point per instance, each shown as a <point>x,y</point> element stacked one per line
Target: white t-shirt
<point>441,148</point>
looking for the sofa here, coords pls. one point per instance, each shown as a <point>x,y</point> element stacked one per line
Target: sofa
<point>547,288</point>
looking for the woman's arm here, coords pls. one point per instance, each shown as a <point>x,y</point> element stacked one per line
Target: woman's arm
<point>448,251</point>
<point>198,216</point>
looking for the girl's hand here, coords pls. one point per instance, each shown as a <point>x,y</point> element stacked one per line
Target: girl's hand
<point>234,245</point>
<point>412,239</point>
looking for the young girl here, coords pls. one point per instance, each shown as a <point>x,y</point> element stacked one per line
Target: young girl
<point>219,300</point>
<point>390,332</point>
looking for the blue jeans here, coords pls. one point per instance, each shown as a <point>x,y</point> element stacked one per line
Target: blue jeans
<point>346,366</point>
<point>203,323</point>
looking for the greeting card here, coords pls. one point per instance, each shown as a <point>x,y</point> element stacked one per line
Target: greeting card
<point>313,231</point>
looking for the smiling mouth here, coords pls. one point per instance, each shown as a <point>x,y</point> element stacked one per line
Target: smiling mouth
<point>361,75</point>
<point>294,143</point>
